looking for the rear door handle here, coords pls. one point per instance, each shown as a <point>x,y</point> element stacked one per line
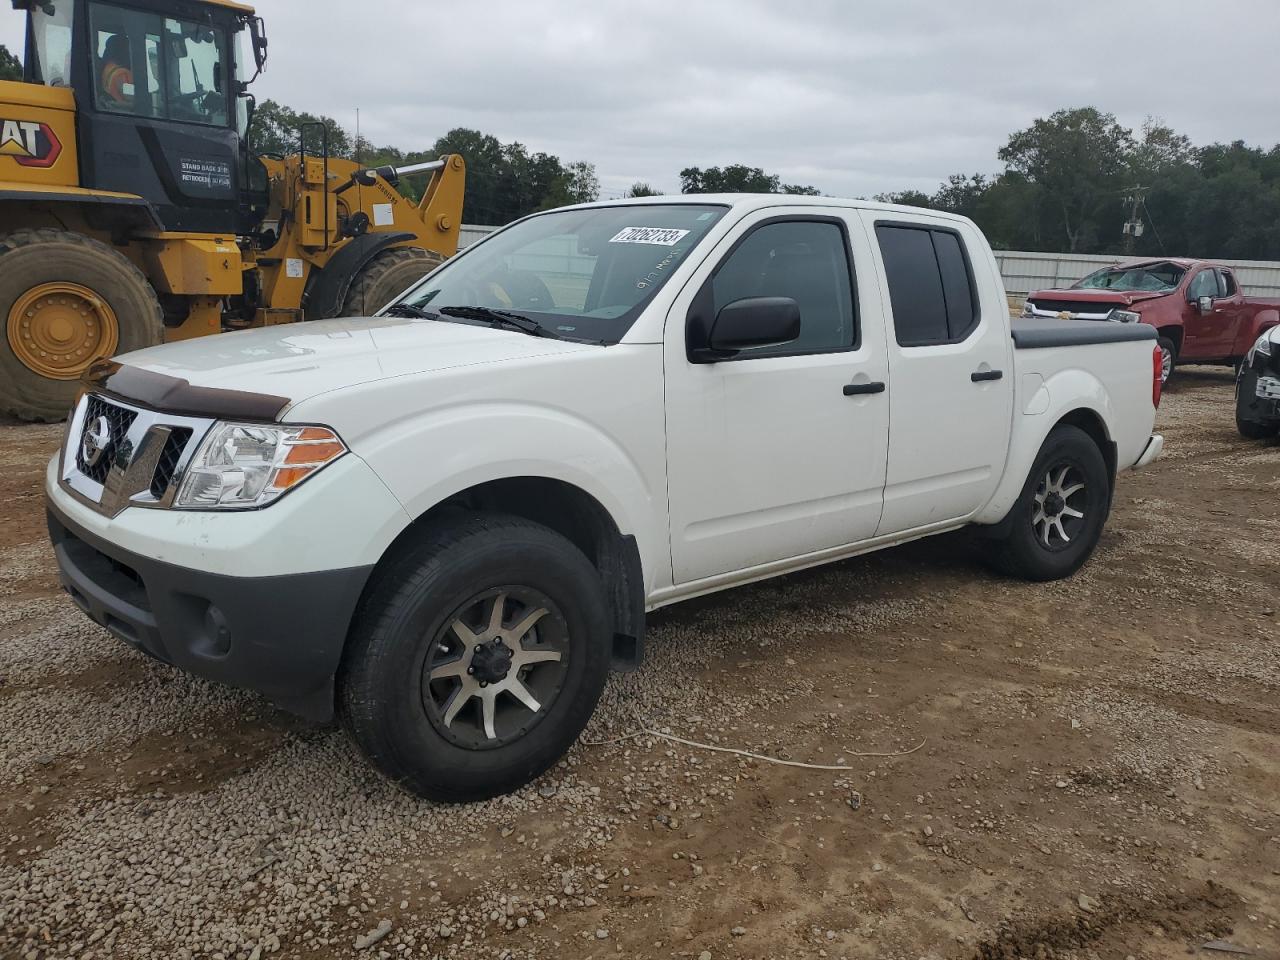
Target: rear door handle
<point>982,376</point>
<point>856,389</point>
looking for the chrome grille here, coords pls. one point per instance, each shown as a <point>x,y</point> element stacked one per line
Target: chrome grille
<point>117,421</point>
<point>118,455</point>
<point>167,467</point>
<point>1087,307</point>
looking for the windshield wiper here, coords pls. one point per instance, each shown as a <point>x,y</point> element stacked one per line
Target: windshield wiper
<point>410,310</point>
<point>500,318</point>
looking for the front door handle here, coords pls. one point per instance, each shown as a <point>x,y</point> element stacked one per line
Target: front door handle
<point>982,376</point>
<point>856,389</point>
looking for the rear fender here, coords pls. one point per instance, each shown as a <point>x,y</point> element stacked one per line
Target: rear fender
<point>1263,321</point>
<point>1041,406</point>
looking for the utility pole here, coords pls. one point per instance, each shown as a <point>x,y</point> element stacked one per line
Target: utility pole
<point>1133,227</point>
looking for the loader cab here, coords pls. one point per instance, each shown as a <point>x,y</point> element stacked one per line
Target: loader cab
<point>162,107</point>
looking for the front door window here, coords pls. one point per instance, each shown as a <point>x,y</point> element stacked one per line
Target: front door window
<point>152,66</point>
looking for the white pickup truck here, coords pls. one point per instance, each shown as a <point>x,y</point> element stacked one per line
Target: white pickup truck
<point>447,523</point>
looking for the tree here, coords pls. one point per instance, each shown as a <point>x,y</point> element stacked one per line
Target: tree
<point>10,65</point>
<point>737,178</point>
<point>582,185</point>
<point>641,189</point>
<point>277,129</point>
<point>1077,158</point>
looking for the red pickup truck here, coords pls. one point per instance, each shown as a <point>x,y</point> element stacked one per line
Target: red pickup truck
<point>1195,305</point>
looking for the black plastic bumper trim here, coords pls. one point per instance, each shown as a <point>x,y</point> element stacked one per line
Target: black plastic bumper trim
<point>280,636</point>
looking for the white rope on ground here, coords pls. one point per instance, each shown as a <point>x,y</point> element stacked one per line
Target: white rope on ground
<point>747,753</point>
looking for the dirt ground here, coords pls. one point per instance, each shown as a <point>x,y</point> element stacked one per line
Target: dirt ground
<point>1099,775</point>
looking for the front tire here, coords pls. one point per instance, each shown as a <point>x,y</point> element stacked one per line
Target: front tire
<point>1251,429</point>
<point>1058,519</point>
<point>477,658</point>
<point>1168,358</point>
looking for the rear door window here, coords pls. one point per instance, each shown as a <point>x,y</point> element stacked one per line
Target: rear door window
<point>1226,283</point>
<point>931,286</point>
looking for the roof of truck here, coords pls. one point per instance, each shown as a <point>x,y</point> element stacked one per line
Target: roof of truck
<point>759,201</point>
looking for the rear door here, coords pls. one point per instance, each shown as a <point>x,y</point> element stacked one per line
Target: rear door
<point>779,451</point>
<point>950,370</point>
<point>1234,312</point>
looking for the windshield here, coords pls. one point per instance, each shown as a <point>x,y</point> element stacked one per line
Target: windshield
<point>1155,277</point>
<point>51,35</point>
<point>581,274</point>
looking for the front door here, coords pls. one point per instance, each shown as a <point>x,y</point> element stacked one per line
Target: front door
<point>779,451</point>
<point>950,371</point>
<point>1207,336</point>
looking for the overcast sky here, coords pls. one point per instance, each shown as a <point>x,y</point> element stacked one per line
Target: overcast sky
<point>853,96</point>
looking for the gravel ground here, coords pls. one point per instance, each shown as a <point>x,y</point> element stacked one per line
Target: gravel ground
<point>1098,776</point>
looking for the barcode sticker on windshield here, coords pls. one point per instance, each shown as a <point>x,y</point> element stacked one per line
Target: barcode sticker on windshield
<point>662,236</point>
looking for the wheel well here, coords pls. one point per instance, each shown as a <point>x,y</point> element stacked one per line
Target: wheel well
<point>1092,424</point>
<point>579,518</point>
<point>1174,335</point>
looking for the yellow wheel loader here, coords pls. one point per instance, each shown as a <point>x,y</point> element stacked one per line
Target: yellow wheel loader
<point>134,211</point>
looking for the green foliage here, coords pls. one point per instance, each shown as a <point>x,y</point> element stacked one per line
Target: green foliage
<point>640,189</point>
<point>1067,180</point>
<point>10,65</point>
<point>277,129</point>
<point>1075,156</point>
<point>738,178</point>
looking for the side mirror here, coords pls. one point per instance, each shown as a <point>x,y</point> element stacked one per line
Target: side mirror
<point>754,322</point>
<point>1205,306</point>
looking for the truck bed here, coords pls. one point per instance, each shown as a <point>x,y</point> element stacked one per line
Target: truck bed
<point>1034,333</point>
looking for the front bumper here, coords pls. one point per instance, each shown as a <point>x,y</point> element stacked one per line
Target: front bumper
<point>1258,398</point>
<point>279,635</point>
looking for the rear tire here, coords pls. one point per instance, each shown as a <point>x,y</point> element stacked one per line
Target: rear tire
<point>1058,519</point>
<point>426,635</point>
<point>385,277</point>
<point>66,300</point>
<point>1169,356</point>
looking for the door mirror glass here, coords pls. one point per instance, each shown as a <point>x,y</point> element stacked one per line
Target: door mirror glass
<point>1205,305</point>
<point>755,322</point>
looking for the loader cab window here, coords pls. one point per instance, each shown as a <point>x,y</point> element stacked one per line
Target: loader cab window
<point>159,67</point>
<point>49,49</point>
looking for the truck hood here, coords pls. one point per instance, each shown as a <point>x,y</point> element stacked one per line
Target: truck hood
<point>1127,297</point>
<point>302,360</point>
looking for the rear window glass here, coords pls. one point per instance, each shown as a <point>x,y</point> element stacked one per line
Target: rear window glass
<point>930,285</point>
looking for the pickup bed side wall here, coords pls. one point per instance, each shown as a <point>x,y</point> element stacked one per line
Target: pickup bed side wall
<point>1052,385</point>
<point>1262,321</point>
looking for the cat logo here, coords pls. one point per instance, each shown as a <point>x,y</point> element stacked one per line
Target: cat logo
<point>31,144</point>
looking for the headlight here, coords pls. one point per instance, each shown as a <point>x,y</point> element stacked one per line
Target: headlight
<point>1027,309</point>
<point>240,465</point>
<point>1264,346</point>
<point>1124,316</point>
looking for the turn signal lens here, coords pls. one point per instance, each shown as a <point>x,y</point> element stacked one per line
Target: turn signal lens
<point>244,465</point>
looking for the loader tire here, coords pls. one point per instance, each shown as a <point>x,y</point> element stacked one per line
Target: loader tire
<point>385,277</point>
<point>66,300</point>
